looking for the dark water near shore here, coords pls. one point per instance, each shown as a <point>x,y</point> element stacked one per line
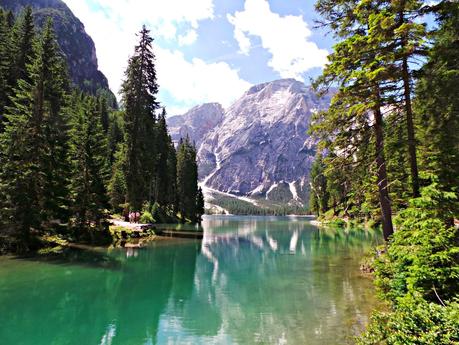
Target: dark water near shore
<point>252,280</point>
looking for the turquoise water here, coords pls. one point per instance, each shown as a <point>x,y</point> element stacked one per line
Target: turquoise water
<point>252,280</point>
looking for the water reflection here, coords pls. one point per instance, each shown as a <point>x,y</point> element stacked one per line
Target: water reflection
<point>251,280</point>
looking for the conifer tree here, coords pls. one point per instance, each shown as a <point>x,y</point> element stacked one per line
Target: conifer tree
<point>187,180</point>
<point>23,37</point>
<point>399,37</point>
<point>200,205</point>
<point>10,19</point>
<point>115,134</point>
<point>56,164</point>
<point>103,113</point>
<point>33,148</point>
<point>355,115</point>
<point>399,171</point>
<point>90,199</point>
<point>117,188</point>
<point>438,104</point>
<point>5,62</point>
<point>318,202</point>
<point>172,197</point>
<point>139,95</point>
<point>163,178</point>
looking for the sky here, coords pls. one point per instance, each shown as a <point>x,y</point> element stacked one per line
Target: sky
<point>208,50</point>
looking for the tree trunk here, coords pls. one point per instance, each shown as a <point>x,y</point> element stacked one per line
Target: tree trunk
<point>384,200</point>
<point>408,107</point>
<point>410,129</point>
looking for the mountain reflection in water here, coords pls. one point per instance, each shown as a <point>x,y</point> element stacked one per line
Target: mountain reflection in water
<point>269,280</point>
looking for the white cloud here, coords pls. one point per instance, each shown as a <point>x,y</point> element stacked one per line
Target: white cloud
<point>113,24</point>
<point>189,38</point>
<point>285,37</point>
<point>243,41</point>
<point>197,82</point>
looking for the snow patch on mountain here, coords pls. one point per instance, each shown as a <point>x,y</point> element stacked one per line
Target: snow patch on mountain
<point>250,149</point>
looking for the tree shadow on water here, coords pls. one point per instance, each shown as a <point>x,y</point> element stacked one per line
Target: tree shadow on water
<point>77,256</point>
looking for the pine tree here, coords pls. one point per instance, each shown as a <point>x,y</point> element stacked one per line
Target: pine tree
<point>115,135</point>
<point>103,113</point>
<point>163,179</point>
<point>401,190</point>
<point>200,205</point>
<point>90,199</point>
<point>438,104</point>
<point>187,180</point>
<point>172,197</point>
<point>56,126</point>
<point>318,198</point>
<point>117,188</point>
<point>5,62</point>
<point>10,19</point>
<point>23,37</point>
<point>139,95</point>
<point>399,37</point>
<point>33,172</point>
<point>355,115</point>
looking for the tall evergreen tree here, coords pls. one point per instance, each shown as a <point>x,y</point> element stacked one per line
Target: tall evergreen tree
<point>318,202</point>
<point>117,188</point>
<point>56,165</point>
<point>163,178</point>
<point>187,180</point>
<point>90,174</point>
<point>23,37</point>
<point>172,197</point>
<point>355,115</point>
<point>5,62</point>
<point>10,19</point>
<point>399,37</point>
<point>139,96</point>
<point>103,113</point>
<point>115,134</point>
<point>32,175</point>
<point>200,205</point>
<point>438,104</point>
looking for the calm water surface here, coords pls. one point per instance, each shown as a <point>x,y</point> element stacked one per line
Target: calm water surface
<point>253,280</point>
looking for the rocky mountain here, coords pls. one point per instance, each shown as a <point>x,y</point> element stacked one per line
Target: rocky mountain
<point>75,43</point>
<point>196,123</point>
<point>260,150</point>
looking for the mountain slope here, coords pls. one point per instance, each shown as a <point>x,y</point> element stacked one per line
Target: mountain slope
<point>76,44</point>
<point>196,123</point>
<point>259,148</point>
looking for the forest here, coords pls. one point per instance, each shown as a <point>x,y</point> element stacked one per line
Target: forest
<point>389,155</point>
<point>69,159</point>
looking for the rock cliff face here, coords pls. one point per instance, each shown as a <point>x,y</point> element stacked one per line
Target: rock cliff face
<point>75,43</point>
<point>261,148</point>
<point>196,123</point>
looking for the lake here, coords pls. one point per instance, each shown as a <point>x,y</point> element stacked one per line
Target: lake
<point>252,280</point>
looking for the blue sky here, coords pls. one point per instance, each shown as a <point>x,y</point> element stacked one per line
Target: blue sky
<point>208,50</point>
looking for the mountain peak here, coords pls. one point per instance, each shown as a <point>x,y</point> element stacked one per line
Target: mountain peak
<point>243,151</point>
<point>276,85</point>
<point>196,122</point>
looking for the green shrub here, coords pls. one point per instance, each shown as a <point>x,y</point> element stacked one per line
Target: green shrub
<point>414,321</point>
<point>423,254</point>
<point>338,223</point>
<point>146,218</point>
<point>418,275</point>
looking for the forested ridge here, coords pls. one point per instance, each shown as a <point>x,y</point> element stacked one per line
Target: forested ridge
<point>389,155</point>
<point>76,45</point>
<point>69,160</point>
